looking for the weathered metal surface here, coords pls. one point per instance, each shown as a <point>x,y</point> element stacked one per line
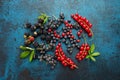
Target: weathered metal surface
<point>103,14</point>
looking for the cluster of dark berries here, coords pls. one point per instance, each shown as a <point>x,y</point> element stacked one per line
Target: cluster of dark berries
<point>49,36</point>
<point>54,23</point>
<point>68,38</point>
<point>63,58</point>
<point>83,51</point>
<point>85,24</point>
<point>49,59</point>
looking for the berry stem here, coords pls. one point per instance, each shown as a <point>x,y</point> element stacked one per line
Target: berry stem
<point>92,35</point>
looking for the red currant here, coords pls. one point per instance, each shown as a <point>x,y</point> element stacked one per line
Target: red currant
<point>90,34</point>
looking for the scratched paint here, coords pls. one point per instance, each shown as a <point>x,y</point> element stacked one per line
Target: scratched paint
<point>103,14</point>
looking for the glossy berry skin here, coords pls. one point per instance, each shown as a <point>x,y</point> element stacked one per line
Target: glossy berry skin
<point>83,52</point>
<point>84,23</point>
<point>63,58</point>
<point>31,38</point>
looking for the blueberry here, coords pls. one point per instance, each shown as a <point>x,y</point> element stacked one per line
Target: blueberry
<point>33,28</point>
<point>44,32</point>
<point>35,44</point>
<point>48,37</point>
<point>70,52</point>
<point>73,45</point>
<point>42,27</point>
<point>40,32</point>
<point>62,16</point>
<point>35,34</point>
<point>66,42</point>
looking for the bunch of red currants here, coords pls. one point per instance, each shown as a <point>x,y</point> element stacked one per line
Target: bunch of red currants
<point>83,51</point>
<point>85,24</point>
<point>63,58</point>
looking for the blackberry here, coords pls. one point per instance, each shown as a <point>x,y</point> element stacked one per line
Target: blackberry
<point>37,25</point>
<point>28,25</point>
<point>40,21</point>
<point>26,34</point>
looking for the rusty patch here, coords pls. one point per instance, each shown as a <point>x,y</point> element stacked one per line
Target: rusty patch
<point>25,75</point>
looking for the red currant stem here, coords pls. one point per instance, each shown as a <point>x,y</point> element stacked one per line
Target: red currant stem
<point>66,61</point>
<point>85,42</point>
<point>92,35</point>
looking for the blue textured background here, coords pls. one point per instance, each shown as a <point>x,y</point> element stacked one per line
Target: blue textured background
<point>103,14</point>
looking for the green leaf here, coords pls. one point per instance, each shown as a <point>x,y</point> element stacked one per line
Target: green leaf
<point>92,58</point>
<point>45,20</point>
<point>88,56</point>
<point>42,16</point>
<point>24,54</point>
<point>31,55</point>
<point>25,48</point>
<point>95,54</point>
<point>92,48</point>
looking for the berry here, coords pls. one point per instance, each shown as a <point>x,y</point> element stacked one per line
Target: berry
<point>62,57</point>
<point>28,25</point>
<point>78,40</point>
<point>81,31</point>
<point>83,52</point>
<point>90,34</point>
<point>78,33</point>
<point>31,38</point>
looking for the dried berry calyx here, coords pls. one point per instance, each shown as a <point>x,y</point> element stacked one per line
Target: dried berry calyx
<point>63,58</point>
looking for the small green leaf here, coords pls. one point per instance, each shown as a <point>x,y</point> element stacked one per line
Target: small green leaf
<point>23,48</point>
<point>31,55</point>
<point>95,54</point>
<point>45,20</point>
<point>92,48</point>
<point>88,56</point>
<point>24,54</point>
<point>92,58</point>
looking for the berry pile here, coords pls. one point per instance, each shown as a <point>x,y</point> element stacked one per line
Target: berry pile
<point>63,58</point>
<point>44,37</point>
<point>83,51</point>
<point>47,58</point>
<point>85,24</point>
